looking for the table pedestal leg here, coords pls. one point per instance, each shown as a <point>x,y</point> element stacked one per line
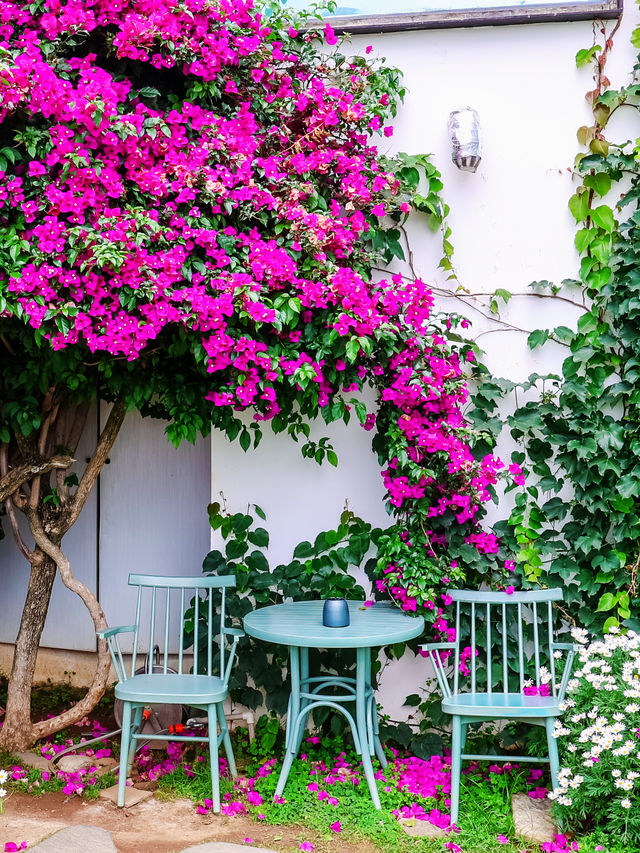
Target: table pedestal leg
<point>363,686</point>
<point>304,675</point>
<point>291,740</point>
<point>374,740</point>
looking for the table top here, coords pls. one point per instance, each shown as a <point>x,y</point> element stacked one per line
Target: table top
<point>299,623</point>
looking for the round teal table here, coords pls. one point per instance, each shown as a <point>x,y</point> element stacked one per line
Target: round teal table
<point>299,626</point>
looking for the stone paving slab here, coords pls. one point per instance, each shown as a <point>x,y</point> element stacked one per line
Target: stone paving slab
<point>33,759</point>
<point>73,763</point>
<point>78,839</point>
<point>532,819</point>
<point>421,828</point>
<point>132,796</point>
<point>225,847</point>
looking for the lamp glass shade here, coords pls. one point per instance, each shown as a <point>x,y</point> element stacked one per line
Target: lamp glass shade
<point>335,613</point>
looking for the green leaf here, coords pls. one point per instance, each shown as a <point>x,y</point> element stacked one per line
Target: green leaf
<point>600,182</point>
<point>303,549</point>
<point>537,338</point>
<point>607,602</point>
<point>579,205</point>
<point>213,562</point>
<point>586,55</point>
<point>584,238</point>
<point>236,549</point>
<point>621,504</point>
<point>603,217</point>
<point>259,537</point>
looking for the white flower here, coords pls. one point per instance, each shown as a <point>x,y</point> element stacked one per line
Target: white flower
<point>580,635</point>
<point>545,675</point>
<point>632,708</point>
<point>564,801</point>
<point>625,784</point>
<point>617,773</point>
<point>626,803</point>
<point>3,776</point>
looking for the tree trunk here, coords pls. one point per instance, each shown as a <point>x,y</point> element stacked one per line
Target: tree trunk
<point>48,527</point>
<point>16,733</point>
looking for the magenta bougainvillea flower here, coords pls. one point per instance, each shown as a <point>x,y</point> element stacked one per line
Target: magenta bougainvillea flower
<point>192,203</point>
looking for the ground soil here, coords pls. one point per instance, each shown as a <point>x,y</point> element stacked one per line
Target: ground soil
<point>153,826</point>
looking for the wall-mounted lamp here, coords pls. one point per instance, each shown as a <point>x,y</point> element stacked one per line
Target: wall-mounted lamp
<point>464,132</point>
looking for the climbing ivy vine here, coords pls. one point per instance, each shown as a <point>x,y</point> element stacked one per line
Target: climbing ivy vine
<point>577,522</point>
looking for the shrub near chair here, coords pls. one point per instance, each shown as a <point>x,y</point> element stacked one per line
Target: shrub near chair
<point>495,623</point>
<point>164,601</point>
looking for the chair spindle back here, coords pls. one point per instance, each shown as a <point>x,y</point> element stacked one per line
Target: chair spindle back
<point>492,622</point>
<point>166,599</point>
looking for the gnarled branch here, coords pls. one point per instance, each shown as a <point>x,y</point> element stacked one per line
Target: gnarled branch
<point>103,448</point>
<point>101,675</point>
<point>16,477</point>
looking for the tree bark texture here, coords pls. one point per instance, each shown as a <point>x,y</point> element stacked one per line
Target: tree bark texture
<point>17,732</point>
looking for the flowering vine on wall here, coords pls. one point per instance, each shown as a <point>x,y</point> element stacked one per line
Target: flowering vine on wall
<point>192,205</point>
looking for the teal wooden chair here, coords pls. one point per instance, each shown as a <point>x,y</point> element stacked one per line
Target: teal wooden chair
<point>160,613</point>
<point>493,624</point>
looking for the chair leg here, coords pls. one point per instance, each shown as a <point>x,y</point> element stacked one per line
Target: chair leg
<point>554,761</point>
<point>456,762</point>
<point>226,740</point>
<point>212,717</point>
<point>463,736</point>
<point>125,740</point>
<point>137,721</point>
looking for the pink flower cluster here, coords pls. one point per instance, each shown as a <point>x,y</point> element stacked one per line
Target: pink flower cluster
<point>225,232</point>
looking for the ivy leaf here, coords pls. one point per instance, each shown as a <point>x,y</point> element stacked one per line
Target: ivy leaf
<point>583,239</point>
<point>259,537</point>
<point>603,217</point>
<point>585,55</point>
<point>537,338</point>
<point>607,602</point>
<point>621,504</point>
<point>579,205</point>
<point>303,549</point>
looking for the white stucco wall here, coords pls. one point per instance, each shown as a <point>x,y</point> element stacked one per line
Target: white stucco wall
<point>510,224</point>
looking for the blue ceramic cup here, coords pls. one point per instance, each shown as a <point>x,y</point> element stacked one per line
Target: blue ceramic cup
<point>335,613</point>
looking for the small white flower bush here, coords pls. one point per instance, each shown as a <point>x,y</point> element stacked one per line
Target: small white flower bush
<point>3,791</point>
<point>599,737</point>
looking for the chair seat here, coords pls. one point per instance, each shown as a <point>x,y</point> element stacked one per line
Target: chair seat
<point>172,689</point>
<point>501,705</point>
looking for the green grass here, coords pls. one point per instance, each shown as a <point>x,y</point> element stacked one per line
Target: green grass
<point>485,811</point>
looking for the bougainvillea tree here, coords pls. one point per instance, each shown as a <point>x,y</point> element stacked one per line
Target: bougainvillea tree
<point>191,207</point>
